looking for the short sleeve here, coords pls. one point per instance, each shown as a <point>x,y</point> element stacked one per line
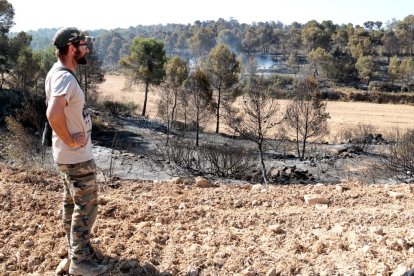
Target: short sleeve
<point>63,83</point>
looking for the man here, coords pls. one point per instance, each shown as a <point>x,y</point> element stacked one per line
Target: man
<point>72,149</point>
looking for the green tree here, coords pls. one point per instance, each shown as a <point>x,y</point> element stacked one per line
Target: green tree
<point>145,64</point>
<point>6,17</point>
<point>202,40</point>
<point>250,41</point>
<point>405,34</point>
<point>390,44</point>
<point>366,68</point>
<point>393,68</point>
<point>406,69</point>
<point>321,58</point>
<point>6,22</point>
<point>223,68</point>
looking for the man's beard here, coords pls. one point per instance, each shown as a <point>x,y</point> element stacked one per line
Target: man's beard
<point>79,59</point>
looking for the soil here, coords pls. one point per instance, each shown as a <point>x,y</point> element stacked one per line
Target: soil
<point>162,228</point>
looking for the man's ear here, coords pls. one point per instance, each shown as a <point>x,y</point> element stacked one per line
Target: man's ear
<point>72,47</point>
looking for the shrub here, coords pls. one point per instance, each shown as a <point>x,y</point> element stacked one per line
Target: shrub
<point>116,108</point>
<point>218,160</point>
<point>20,147</point>
<point>398,161</point>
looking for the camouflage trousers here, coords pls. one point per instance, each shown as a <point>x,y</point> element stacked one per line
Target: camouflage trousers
<point>80,206</point>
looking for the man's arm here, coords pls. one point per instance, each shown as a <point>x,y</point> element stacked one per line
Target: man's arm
<point>57,119</point>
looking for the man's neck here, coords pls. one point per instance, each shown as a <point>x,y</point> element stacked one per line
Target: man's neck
<point>69,63</point>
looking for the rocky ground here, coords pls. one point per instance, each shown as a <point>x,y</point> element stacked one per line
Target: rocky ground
<point>178,228</point>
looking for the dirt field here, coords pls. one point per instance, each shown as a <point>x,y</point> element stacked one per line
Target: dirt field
<point>384,117</point>
<point>147,228</point>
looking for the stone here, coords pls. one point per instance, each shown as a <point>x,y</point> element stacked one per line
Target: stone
<point>177,180</point>
<point>271,272</point>
<point>395,195</point>
<point>313,199</point>
<point>28,243</point>
<point>276,228</point>
<point>63,267</point>
<point>202,182</point>
<point>192,271</point>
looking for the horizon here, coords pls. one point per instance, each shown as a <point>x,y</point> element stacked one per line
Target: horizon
<point>186,12</point>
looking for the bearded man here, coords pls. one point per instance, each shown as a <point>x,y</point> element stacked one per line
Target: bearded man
<point>72,149</point>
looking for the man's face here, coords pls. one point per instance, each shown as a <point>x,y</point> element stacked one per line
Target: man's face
<point>81,51</point>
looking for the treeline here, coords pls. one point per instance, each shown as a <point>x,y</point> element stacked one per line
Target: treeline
<point>340,53</point>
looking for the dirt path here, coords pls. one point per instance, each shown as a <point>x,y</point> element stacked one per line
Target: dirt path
<point>147,228</point>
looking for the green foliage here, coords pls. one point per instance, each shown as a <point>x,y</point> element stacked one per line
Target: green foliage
<point>145,64</point>
<point>6,16</point>
<point>393,68</point>
<point>366,67</point>
<point>176,70</point>
<point>146,60</point>
<point>202,40</point>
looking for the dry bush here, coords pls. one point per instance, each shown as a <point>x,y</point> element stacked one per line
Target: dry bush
<point>20,147</point>
<point>398,160</point>
<point>115,108</point>
<point>360,135</point>
<point>227,161</point>
<point>218,160</point>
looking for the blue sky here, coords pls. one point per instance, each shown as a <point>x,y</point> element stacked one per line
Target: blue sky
<point>96,14</point>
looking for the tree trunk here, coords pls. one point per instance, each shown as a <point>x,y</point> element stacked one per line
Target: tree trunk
<point>303,148</point>
<point>218,111</point>
<point>144,108</point>
<point>173,108</point>
<point>259,145</point>
<point>197,127</point>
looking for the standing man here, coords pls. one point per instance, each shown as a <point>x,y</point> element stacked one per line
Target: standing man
<point>72,149</point>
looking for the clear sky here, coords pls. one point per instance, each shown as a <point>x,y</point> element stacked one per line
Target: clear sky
<point>107,14</point>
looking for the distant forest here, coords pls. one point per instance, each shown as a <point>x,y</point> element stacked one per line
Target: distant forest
<point>342,53</point>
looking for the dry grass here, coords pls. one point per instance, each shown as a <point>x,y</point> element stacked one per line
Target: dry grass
<point>384,117</point>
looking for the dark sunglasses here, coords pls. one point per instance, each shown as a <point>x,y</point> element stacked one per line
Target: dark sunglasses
<point>83,44</point>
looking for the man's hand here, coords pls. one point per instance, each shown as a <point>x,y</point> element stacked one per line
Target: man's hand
<point>79,139</point>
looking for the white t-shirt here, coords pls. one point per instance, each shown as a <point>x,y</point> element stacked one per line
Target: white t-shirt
<point>62,83</point>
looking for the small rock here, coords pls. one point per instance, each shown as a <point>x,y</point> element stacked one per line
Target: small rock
<point>276,228</point>
<point>247,272</point>
<point>192,271</point>
<point>202,182</point>
<point>378,231</point>
<point>177,180</point>
<point>339,188</point>
<point>366,249</point>
<point>403,243</point>
<point>313,199</point>
<point>257,187</point>
<point>400,270</point>
<point>238,203</point>
<point>63,267</point>
<point>28,243</point>
<point>2,256</point>
<point>395,195</point>
<point>271,272</point>
<point>63,251</point>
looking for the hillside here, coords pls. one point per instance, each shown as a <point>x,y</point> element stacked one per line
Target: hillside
<point>162,228</point>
